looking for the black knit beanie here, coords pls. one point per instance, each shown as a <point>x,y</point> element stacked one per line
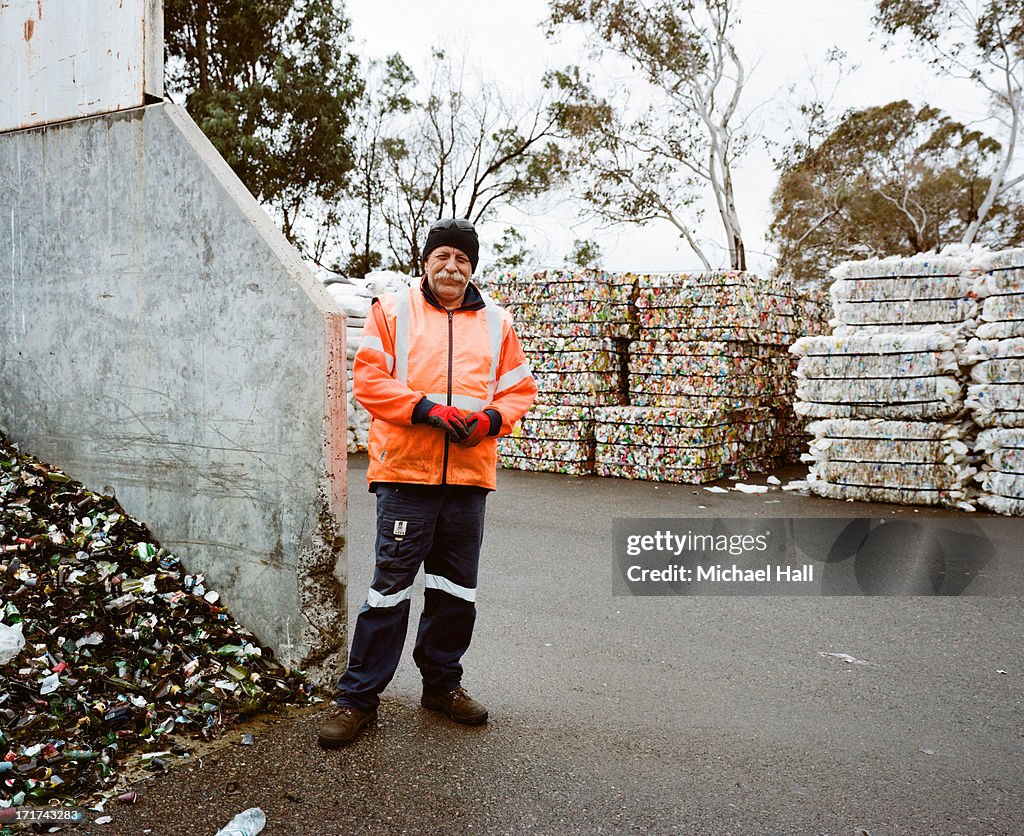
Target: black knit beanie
<point>453,232</point>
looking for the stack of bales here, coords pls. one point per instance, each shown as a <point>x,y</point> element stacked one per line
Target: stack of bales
<point>996,394</point>
<point>355,296</point>
<point>709,383</point>
<point>887,383</point>
<point>574,327</point>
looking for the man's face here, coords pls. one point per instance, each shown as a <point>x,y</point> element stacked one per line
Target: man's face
<point>448,271</point>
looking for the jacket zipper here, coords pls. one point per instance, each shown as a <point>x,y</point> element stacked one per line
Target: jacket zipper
<point>447,441</point>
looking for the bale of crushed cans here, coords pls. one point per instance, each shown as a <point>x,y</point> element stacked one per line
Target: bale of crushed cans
<point>556,439</point>
<point>123,651</point>
<point>677,444</point>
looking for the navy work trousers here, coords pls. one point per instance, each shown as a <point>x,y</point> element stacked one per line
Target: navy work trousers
<point>442,528</point>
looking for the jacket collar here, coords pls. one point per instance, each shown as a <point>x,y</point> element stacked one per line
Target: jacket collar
<point>472,301</point>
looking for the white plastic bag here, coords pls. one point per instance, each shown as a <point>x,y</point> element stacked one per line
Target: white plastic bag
<point>11,642</point>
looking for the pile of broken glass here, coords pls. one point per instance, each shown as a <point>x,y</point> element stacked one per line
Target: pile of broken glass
<point>108,646</point>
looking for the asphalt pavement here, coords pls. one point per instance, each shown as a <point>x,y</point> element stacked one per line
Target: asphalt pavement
<point>678,713</point>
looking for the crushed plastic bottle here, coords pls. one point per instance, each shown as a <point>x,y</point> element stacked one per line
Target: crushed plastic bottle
<point>247,823</point>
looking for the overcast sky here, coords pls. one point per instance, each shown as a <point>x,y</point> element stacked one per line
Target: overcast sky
<point>784,42</point>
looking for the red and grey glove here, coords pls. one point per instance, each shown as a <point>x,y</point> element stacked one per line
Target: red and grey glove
<point>479,426</point>
<point>449,419</point>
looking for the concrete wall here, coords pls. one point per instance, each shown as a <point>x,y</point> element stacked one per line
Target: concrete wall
<point>159,335</point>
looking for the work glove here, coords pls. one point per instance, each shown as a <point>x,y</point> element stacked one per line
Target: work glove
<point>478,426</point>
<point>449,419</point>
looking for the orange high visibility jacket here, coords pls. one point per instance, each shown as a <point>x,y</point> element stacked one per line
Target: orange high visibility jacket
<point>412,348</point>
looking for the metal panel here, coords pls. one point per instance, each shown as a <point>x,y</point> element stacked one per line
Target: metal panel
<point>62,59</point>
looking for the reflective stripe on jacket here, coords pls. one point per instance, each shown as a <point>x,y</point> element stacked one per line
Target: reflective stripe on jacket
<point>470,358</point>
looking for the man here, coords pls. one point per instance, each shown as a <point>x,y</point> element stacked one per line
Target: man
<point>442,374</point>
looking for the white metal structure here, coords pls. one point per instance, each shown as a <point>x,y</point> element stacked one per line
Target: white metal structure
<point>63,59</point>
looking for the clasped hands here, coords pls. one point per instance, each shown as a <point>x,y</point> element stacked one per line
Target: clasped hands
<point>467,431</point>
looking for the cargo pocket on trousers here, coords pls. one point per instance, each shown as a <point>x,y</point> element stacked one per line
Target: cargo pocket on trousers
<point>399,539</point>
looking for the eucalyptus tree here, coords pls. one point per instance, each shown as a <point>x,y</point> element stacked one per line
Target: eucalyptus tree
<point>979,40</point>
<point>653,159</point>
<point>894,179</point>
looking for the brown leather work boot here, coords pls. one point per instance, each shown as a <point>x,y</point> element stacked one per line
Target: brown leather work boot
<point>458,705</point>
<point>344,726</point>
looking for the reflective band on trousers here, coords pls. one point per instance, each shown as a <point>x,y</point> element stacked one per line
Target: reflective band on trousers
<point>375,344</point>
<point>442,583</point>
<point>376,599</point>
